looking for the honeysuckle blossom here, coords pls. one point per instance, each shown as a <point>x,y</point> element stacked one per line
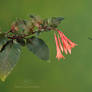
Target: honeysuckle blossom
<point>63,45</point>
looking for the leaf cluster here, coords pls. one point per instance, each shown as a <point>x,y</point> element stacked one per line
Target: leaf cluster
<point>23,33</point>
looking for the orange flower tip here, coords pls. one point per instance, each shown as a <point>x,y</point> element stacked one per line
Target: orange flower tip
<point>62,57</point>
<point>69,52</point>
<point>65,52</point>
<point>73,45</point>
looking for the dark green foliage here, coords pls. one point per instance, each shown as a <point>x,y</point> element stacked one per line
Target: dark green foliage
<point>8,59</point>
<point>21,41</point>
<point>38,47</point>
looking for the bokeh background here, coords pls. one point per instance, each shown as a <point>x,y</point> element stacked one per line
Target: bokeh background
<point>74,74</point>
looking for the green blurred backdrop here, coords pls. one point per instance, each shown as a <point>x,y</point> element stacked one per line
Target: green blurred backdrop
<point>74,74</point>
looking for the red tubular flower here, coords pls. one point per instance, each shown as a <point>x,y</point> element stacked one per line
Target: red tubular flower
<point>65,44</point>
<point>59,54</point>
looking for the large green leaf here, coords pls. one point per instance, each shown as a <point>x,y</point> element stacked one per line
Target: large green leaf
<point>8,59</point>
<point>38,47</point>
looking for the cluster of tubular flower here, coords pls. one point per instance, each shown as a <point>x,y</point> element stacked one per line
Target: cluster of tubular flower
<point>63,44</point>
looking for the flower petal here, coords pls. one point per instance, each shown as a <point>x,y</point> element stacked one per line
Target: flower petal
<point>68,47</point>
<point>59,54</point>
<point>61,47</point>
<point>71,43</point>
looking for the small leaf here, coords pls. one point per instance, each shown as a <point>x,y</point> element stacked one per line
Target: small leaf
<point>32,16</point>
<point>55,21</point>
<point>38,47</point>
<point>8,59</point>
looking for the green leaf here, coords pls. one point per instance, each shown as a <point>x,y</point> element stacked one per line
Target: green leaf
<point>55,21</point>
<point>3,39</point>
<point>32,16</point>
<point>8,59</point>
<point>38,47</point>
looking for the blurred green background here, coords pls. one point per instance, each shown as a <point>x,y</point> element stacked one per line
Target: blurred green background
<point>74,74</point>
